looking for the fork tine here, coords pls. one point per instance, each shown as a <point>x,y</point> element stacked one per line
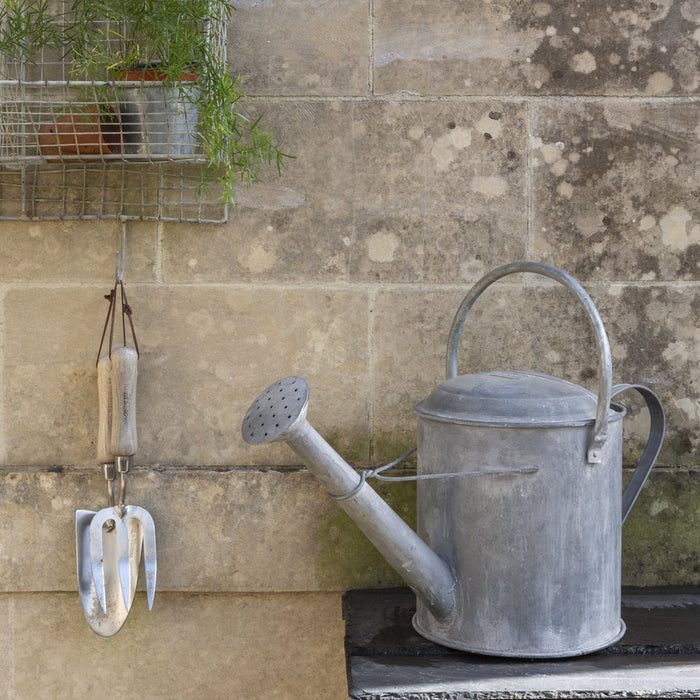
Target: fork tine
<point>146,539</point>
<point>97,552</point>
<point>150,562</point>
<point>129,538</point>
<point>135,550</point>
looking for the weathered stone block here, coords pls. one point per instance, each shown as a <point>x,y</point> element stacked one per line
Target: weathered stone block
<point>505,47</point>
<point>71,251</point>
<point>51,339</point>
<point>615,189</point>
<point>278,646</point>
<point>351,211</point>
<point>654,337</point>
<point>440,189</point>
<point>283,229</point>
<point>395,192</point>
<point>297,48</point>
<point>222,347</point>
<point>206,353</point>
<point>217,531</point>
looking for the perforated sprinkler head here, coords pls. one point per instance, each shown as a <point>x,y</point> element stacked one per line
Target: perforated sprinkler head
<point>275,413</point>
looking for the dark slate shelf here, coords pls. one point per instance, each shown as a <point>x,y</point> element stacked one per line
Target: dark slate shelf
<point>659,656</point>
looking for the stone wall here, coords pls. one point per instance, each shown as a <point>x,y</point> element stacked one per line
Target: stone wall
<point>433,142</point>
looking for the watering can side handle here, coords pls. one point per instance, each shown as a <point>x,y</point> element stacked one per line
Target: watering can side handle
<point>651,449</point>
<point>600,429</point>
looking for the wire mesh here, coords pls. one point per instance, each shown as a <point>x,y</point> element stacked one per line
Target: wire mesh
<point>125,147</point>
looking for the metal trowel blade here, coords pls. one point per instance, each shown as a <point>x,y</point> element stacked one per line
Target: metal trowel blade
<point>103,622</point>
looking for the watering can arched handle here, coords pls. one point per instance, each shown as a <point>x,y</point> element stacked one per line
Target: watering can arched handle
<point>657,428</point>
<point>600,429</point>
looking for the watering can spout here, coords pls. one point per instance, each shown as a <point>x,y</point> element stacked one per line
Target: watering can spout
<point>279,414</point>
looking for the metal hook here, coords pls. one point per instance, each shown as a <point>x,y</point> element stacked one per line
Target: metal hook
<point>121,255</point>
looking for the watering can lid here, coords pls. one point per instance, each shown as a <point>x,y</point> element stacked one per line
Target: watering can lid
<point>514,399</point>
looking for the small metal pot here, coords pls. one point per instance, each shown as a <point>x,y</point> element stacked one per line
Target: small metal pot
<point>159,121</point>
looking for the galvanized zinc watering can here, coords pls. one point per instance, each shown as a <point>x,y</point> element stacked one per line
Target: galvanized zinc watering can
<point>519,511</point>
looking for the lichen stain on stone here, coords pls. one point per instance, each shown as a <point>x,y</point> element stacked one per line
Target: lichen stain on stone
<point>447,146</point>
<point>690,408</point>
<point>678,450</point>
<point>346,557</point>
<point>675,231</point>
<point>258,258</point>
<point>354,448</point>
<point>659,83</point>
<point>490,124</point>
<point>565,189</point>
<point>551,152</point>
<point>583,62</point>
<point>491,186</point>
<point>382,246</point>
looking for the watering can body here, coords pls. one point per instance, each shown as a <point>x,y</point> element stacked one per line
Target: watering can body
<point>536,556</point>
<point>520,500</point>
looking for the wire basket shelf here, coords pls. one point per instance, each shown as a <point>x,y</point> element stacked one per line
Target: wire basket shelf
<point>126,147</point>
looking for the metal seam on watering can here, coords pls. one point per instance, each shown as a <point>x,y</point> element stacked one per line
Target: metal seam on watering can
<point>490,399</point>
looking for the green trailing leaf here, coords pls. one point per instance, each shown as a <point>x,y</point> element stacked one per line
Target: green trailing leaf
<point>26,26</point>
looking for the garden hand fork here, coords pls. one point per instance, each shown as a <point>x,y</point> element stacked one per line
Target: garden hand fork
<point>135,529</point>
<point>117,443</point>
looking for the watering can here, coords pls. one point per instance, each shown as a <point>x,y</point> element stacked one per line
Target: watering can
<point>518,546</point>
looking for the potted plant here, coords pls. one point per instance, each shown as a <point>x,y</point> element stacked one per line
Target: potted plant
<point>162,63</point>
<point>26,29</point>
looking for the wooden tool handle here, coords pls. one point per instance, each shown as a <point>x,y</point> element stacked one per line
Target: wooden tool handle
<point>124,374</point>
<point>104,411</point>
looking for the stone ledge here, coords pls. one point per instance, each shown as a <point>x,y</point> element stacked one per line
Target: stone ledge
<point>659,656</point>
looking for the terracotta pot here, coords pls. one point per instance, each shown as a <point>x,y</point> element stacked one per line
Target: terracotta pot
<point>78,134</point>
